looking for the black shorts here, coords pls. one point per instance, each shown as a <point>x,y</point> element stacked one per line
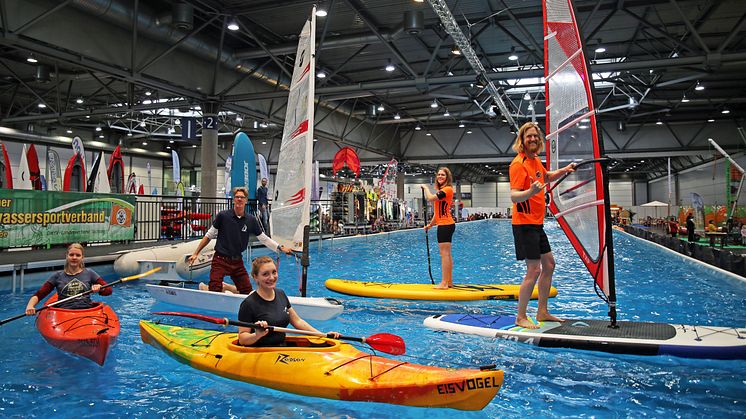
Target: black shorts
<point>530,241</point>
<point>445,233</point>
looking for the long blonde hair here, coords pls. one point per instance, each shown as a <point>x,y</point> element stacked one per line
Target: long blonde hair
<point>74,246</point>
<point>518,143</point>
<point>258,262</point>
<point>449,178</point>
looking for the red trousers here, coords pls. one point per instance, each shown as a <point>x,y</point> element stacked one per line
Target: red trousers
<point>222,267</point>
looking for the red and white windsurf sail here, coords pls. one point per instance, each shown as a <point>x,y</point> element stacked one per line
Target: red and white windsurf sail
<point>580,201</point>
<point>291,204</point>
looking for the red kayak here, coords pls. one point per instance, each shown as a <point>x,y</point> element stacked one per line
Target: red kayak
<point>88,332</point>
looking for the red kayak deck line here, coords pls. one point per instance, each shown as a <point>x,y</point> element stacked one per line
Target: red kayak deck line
<point>89,333</point>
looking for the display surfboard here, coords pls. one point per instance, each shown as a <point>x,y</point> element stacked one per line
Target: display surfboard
<point>634,338</point>
<point>132,183</point>
<point>98,181</point>
<point>53,169</point>
<point>463,292</point>
<point>141,189</point>
<point>243,166</point>
<point>6,170</point>
<point>24,181</point>
<point>75,178</point>
<point>116,171</point>
<point>33,168</point>
<point>312,308</point>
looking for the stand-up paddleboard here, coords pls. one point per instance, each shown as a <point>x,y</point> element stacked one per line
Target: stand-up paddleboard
<point>634,338</point>
<point>54,173</point>
<point>463,292</point>
<point>23,181</point>
<point>6,171</point>
<point>77,145</point>
<point>33,168</point>
<point>98,181</point>
<point>116,171</point>
<point>75,178</point>
<point>132,183</point>
<point>312,308</point>
<point>243,167</point>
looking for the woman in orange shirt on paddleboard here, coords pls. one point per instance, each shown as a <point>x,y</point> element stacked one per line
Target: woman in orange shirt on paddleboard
<point>442,200</point>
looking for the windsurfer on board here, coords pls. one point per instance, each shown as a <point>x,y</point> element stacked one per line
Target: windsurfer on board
<point>528,176</point>
<point>442,200</point>
<point>232,228</point>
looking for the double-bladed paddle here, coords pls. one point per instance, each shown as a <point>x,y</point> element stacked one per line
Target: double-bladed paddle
<point>126,279</point>
<point>384,342</point>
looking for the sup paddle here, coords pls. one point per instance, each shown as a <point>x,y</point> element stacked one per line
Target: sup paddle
<point>427,238</point>
<point>384,342</point>
<point>126,279</point>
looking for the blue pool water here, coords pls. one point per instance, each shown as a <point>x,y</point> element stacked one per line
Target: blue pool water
<point>653,285</point>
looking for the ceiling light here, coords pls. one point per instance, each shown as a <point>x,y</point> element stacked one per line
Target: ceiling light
<point>455,50</point>
<point>321,10</point>
<point>79,100</point>
<point>684,99</point>
<point>264,143</point>
<point>659,122</point>
<point>238,119</point>
<point>98,128</point>
<point>434,104</point>
<point>31,59</point>
<point>142,124</point>
<point>148,93</point>
<point>390,67</point>
<point>264,124</point>
<point>468,132</point>
<point>144,143</point>
<point>41,106</point>
<point>699,87</point>
<point>178,121</point>
<point>194,145</point>
<point>461,125</point>
<point>315,140</point>
<point>512,56</point>
<point>69,131</point>
<point>417,128</point>
<point>397,117</point>
<point>380,108</point>
<point>129,134</point>
<point>170,141</point>
<point>321,74</point>
<point>428,134</point>
<point>527,96</point>
<point>446,113</point>
<point>710,120</point>
<point>168,147</point>
<point>101,136</point>
<point>233,25</point>
<point>725,111</point>
<point>530,106</point>
<point>600,50</point>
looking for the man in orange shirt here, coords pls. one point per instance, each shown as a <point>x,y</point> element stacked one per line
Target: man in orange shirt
<point>528,176</point>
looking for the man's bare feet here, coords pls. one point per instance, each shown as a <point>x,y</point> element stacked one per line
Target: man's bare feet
<point>546,317</point>
<point>203,287</point>
<point>525,323</point>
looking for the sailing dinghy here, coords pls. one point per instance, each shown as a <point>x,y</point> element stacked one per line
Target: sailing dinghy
<point>580,203</point>
<point>292,201</point>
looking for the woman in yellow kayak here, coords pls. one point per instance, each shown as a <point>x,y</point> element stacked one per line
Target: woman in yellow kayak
<point>442,218</point>
<point>268,306</point>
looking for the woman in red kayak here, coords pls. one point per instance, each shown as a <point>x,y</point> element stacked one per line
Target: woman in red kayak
<point>72,280</point>
<point>267,306</point>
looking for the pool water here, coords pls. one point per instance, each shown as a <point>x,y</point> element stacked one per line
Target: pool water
<point>652,285</point>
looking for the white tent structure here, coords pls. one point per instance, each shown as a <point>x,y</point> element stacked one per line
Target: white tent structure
<point>653,207</point>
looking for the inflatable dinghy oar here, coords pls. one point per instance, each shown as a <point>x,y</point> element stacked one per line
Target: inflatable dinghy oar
<point>129,278</point>
<point>384,342</point>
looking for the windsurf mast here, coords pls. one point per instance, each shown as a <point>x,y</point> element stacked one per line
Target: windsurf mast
<point>738,167</point>
<point>580,203</point>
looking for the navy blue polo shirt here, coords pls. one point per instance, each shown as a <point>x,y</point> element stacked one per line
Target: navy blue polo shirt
<point>234,232</point>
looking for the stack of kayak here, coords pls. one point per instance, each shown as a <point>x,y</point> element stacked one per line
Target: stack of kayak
<point>327,368</point>
<point>88,333</point>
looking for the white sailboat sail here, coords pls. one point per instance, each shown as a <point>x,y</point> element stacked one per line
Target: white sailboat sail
<point>579,202</point>
<point>292,199</point>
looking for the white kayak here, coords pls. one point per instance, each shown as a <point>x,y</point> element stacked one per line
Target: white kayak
<point>310,308</point>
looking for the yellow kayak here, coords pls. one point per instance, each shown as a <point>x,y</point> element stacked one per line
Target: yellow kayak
<point>328,368</point>
<point>464,292</point>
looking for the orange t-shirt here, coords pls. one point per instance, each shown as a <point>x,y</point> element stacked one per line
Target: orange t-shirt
<point>524,172</point>
<point>443,207</point>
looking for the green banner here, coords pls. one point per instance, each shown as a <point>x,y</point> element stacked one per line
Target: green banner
<point>32,218</point>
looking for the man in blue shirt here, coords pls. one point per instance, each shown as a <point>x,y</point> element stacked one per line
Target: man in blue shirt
<point>232,229</point>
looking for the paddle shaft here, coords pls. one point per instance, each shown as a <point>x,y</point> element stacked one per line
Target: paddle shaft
<point>427,238</point>
<point>129,278</point>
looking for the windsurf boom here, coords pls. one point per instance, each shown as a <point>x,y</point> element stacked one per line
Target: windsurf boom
<point>580,201</point>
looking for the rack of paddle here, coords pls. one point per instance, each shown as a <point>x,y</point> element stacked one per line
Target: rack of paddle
<point>58,302</point>
<point>384,342</point>
<point>424,291</point>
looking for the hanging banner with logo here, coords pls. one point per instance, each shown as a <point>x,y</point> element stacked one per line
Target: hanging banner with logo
<point>32,218</point>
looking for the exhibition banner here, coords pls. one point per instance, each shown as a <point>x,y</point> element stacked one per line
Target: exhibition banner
<point>34,218</point>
